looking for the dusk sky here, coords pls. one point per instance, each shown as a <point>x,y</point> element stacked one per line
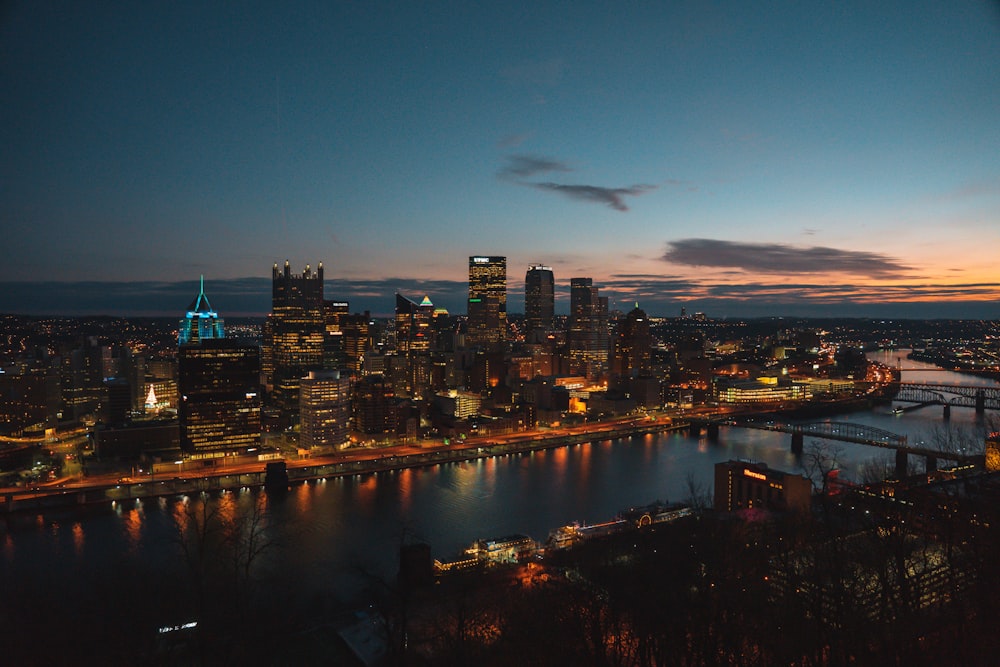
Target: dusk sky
<point>741,158</point>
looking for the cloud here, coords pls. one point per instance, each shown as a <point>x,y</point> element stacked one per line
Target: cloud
<point>522,166</point>
<point>613,197</point>
<point>688,186</point>
<point>777,258</point>
<point>656,294</point>
<point>525,166</point>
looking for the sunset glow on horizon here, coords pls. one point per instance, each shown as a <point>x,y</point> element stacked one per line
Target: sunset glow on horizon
<point>788,160</point>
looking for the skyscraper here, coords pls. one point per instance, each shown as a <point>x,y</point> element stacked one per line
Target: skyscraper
<point>294,337</point>
<point>539,300</point>
<point>414,341</point>
<point>634,345</point>
<point>587,336</point>
<point>334,345</point>
<point>200,322</point>
<point>324,409</point>
<point>218,383</point>
<point>219,405</point>
<point>487,301</point>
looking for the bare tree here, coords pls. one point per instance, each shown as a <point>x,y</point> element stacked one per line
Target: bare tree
<point>956,438</point>
<point>821,458</point>
<point>699,496</point>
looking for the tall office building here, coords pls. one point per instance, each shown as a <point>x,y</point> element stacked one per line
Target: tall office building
<point>375,411</point>
<point>356,332</point>
<point>487,301</point>
<point>413,325</point>
<point>587,335</point>
<point>634,345</point>
<point>539,300</point>
<point>219,405</point>
<point>414,341</point>
<point>294,337</point>
<point>201,322</point>
<point>334,345</point>
<point>324,410</point>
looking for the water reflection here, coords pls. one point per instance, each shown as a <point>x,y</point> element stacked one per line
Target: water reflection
<point>132,523</point>
<point>327,529</point>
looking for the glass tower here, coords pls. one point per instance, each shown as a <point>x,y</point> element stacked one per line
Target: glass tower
<point>539,299</point>
<point>487,301</point>
<point>294,336</point>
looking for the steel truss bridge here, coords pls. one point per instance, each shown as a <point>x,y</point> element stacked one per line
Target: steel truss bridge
<point>844,432</point>
<point>930,393</point>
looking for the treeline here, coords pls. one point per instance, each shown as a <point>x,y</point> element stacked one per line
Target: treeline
<point>835,588</point>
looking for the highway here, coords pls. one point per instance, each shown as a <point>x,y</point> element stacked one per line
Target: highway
<point>221,474</point>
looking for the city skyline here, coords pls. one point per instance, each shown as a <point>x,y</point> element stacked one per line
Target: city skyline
<point>787,161</point>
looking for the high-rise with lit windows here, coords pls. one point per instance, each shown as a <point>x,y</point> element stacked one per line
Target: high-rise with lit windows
<point>219,403</point>
<point>487,301</point>
<point>414,340</point>
<point>294,337</point>
<point>539,300</point>
<point>324,410</point>
<point>587,335</point>
<point>633,345</point>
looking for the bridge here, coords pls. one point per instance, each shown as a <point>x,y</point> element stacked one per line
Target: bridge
<point>845,432</point>
<point>922,394</point>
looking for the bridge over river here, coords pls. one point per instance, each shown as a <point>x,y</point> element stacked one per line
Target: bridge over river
<point>845,432</point>
<point>922,394</point>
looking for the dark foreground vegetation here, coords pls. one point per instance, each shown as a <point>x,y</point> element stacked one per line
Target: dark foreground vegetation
<point>862,579</point>
<point>835,588</point>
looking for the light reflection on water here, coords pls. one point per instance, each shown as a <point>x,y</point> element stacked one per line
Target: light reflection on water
<point>324,531</point>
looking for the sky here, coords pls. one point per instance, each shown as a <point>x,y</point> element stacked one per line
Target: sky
<point>737,158</point>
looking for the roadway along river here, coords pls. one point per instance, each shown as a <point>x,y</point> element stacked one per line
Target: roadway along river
<point>324,532</point>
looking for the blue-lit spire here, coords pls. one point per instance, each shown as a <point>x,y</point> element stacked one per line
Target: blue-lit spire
<point>201,321</point>
<point>201,304</point>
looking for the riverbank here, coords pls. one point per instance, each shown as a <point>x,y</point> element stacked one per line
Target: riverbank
<point>352,462</point>
<point>949,362</point>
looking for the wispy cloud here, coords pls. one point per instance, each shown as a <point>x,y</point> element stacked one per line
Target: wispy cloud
<point>526,166</point>
<point>521,167</point>
<point>657,294</point>
<point>777,258</point>
<point>613,197</point>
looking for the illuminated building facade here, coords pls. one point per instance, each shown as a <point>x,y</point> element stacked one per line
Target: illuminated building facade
<point>201,322</point>
<point>762,390</point>
<point>743,485</point>
<point>414,341</point>
<point>219,406</point>
<point>294,337</point>
<point>374,407</point>
<point>324,410</point>
<point>459,404</point>
<point>487,301</point>
<point>539,300</point>
<point>993,452</point>
<point>29,400</point>
<point>634,345</point>
<point>587,335</point>
<point>334,345</point>
<point>355,329</point>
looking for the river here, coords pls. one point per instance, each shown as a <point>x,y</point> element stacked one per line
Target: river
<point>324,532</point>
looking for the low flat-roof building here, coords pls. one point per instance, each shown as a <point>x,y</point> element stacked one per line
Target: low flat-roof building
<point>744,485</point>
